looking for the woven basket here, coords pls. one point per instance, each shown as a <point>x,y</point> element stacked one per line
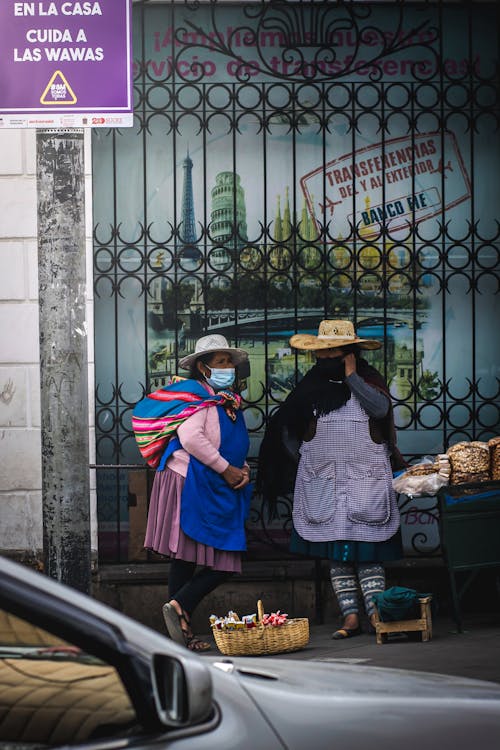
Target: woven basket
<point>263,639</point>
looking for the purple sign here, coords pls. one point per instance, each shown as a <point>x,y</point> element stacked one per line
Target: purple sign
<point>66,64</point>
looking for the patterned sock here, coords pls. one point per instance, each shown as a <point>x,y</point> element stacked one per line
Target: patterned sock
<point>372,581</point>
<point>343,578</point>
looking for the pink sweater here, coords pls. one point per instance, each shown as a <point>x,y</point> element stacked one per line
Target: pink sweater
<point>200,437</point>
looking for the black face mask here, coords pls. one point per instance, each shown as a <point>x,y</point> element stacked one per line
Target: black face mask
<point>333,368</point>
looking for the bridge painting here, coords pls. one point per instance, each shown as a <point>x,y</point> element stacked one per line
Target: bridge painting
<point>287,321</point>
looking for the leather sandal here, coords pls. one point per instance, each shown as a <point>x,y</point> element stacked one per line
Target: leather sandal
<point>174,622</point>
<point>193,643</point>
<point>343,633</point>
<point>196,644</point>
<point>179,629</point>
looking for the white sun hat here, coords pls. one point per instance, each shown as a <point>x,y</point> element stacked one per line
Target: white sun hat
<point>214,342</point>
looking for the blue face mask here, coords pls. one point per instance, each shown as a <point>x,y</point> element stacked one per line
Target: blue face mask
<point>221,377</point>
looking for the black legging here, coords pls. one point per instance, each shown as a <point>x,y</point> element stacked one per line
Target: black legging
<point>188,588</point>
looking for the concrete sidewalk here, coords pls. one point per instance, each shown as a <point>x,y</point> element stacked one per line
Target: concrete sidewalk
<point>475,653</point>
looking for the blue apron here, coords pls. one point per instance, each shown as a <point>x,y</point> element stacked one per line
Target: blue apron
<point>211,511</point>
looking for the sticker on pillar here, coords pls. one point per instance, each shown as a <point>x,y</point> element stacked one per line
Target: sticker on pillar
<point>58,91</point>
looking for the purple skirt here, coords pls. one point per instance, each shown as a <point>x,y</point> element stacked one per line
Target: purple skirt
<point>165,536</point>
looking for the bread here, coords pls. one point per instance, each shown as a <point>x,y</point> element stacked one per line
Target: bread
<point>419,470</point>
<point>494,448</point>
<point>470,462</point>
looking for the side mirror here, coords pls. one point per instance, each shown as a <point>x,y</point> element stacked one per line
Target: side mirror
<point>182,690</point>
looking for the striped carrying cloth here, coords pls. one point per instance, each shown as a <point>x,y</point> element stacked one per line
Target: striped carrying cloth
<point>157,416</point>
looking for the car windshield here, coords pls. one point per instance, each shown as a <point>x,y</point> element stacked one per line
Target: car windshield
<point>53,693</point>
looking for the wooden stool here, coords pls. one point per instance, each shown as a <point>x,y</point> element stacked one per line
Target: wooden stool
<point>422,624</point>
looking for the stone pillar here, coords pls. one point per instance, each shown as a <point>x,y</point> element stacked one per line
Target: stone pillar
<point>63,356</point>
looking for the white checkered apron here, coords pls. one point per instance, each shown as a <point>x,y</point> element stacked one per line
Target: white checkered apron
<point>344,488</point>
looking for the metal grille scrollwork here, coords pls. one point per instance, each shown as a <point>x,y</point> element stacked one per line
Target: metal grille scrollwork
<point>292,162</point>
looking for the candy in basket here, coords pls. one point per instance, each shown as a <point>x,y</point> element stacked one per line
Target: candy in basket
<point>261,634</point>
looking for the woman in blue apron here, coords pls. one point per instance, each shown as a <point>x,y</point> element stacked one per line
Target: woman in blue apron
<point>201,492</point>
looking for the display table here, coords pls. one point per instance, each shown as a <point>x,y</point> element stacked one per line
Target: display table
<point>469,521</point>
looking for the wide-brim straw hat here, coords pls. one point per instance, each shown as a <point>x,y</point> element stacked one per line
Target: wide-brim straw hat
<point>211,344</point>
<point>332,334</point>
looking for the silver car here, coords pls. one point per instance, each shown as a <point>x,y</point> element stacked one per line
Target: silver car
<point>76,672</point>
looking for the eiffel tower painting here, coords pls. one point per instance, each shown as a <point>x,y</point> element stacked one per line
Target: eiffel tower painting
<point>187,230</point>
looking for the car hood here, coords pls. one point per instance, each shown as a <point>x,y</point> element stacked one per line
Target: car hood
<point>346,706</point>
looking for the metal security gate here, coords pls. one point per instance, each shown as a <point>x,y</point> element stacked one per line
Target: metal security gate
<point>290,162</point>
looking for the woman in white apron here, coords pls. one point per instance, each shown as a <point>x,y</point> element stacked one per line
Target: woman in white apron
<point>344,506</point>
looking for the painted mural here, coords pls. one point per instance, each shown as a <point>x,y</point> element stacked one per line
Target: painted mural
<point>279,174</point>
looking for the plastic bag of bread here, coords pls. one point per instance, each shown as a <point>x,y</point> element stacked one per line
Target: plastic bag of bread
<point>424,478</point>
